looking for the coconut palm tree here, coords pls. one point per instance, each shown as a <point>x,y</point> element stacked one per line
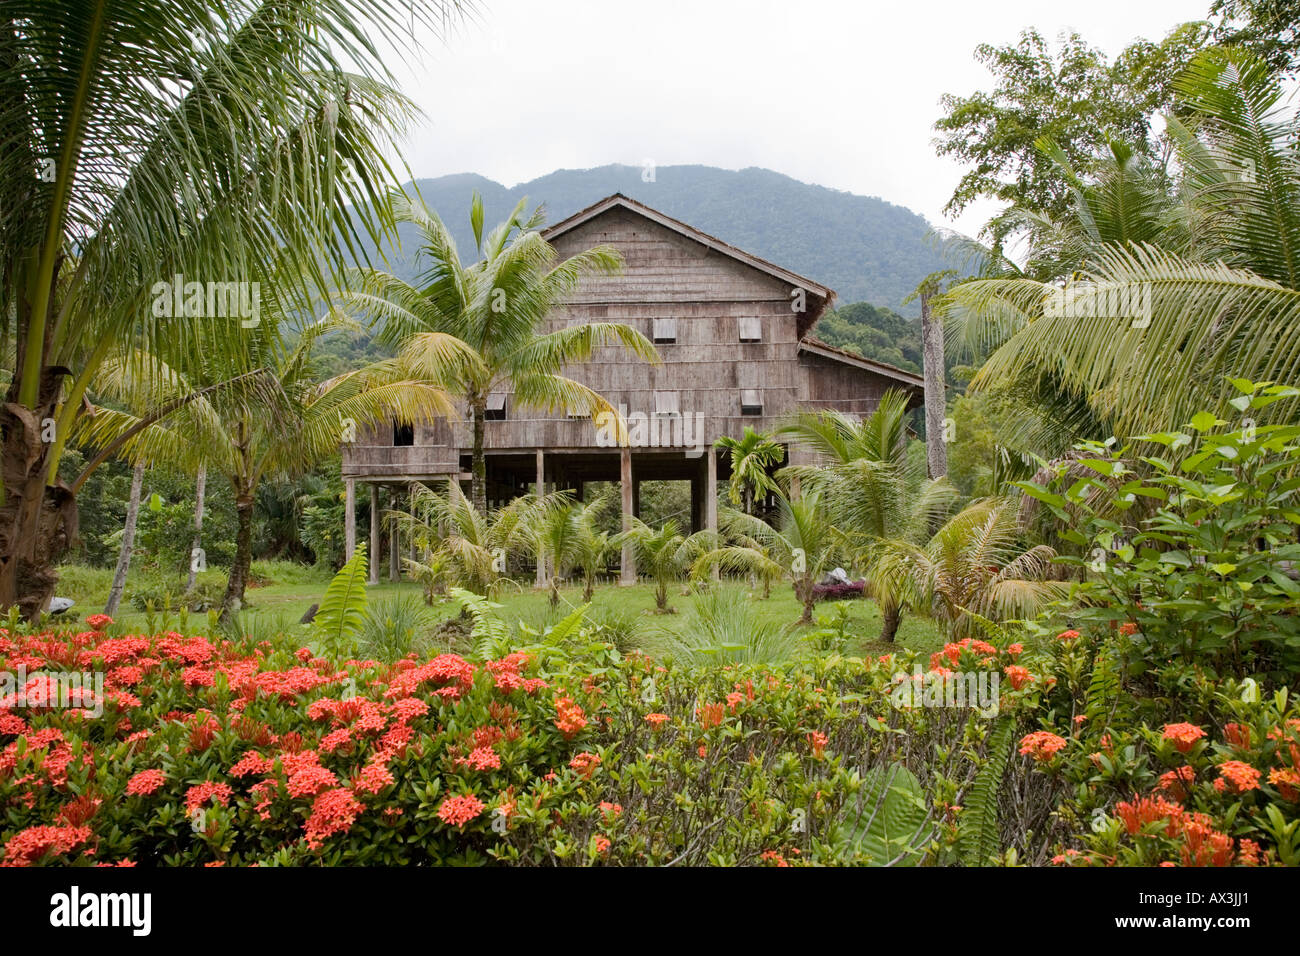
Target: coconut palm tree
<point>871,488</point>
<point>663,553</point>
<point>147,141</point>
<point>1211,295</point>
<point>275,425</point>
<point>495,305</point>
<point>802,545</point>
<point>974,565</point>
<point>751,457</point>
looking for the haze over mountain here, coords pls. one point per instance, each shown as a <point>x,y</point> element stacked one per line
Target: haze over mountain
<point>864,248</point>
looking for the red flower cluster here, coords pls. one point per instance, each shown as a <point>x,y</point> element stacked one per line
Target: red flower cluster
<point>1184,736</point>
<point>569,717</point>
<point>145,783</point>
<point>458,811</point>
<point>1042,745</point>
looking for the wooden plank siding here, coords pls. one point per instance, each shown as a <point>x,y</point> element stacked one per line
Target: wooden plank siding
<point>670,271</point>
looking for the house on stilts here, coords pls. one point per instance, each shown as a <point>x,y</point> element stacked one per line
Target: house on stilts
<point>735,335</point>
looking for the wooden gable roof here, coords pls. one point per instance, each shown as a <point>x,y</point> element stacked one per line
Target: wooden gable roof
<point>819,296</point>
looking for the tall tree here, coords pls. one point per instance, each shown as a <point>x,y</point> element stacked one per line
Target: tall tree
<point>200,486</point>
<point>171,142</point>
<point>1158,319</point>
<point>1071,94</point>
<point>128,541</point>
<point>475,328</point>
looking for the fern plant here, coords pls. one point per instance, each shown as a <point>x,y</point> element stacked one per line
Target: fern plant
<point>342,612</point>
<point>978,838</point>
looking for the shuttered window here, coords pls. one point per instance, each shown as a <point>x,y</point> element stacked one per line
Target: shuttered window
<point>663,331</point>
<point>666,403</point>
<point>751,328</point>
<point>750,402</point>
<point>496,408</point>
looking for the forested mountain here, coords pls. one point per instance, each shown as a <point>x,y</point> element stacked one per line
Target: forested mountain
<point>864,248</point>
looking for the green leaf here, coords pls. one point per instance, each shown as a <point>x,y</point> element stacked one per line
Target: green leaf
<point>342,610</point>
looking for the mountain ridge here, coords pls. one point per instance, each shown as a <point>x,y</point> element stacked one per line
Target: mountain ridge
<point>864,247</point>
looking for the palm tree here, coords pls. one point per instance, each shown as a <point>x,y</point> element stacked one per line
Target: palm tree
<point>973,565</point>
<point>1214,270</point>
<point>149,141</point>
<point>751,457</point>
<point>872,490</point>
<point>460,546</point>
<point>474,328</point>
<point>803,545</point>
<point>275,426</point>
<point>592,547</point>
<point>663,553</point>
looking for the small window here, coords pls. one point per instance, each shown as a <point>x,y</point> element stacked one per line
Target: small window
<point>496,408</point>
<point>664,331</point>
<point>666,403</point>
<point>403,434</point>
<point>575,413</point>
<point>750,403</point>
<point>751,328</point>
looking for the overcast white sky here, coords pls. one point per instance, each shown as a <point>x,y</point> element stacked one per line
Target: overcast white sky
<point>842,93</point>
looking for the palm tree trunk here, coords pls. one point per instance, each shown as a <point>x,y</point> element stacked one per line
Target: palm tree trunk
<point>234,598</point>
<point>936,451</point>
<point>892,616</point>
<point>478,483</point>
<point>37,520</point>
<point>128,541</point>
<point>200,485</point>
<point>661,596</point>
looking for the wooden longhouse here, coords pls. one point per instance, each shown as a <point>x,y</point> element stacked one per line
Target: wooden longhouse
<point>734,333</point>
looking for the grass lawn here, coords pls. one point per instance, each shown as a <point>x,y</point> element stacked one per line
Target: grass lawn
<point>292,589</point>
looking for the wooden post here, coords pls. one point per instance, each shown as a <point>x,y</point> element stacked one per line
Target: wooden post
<point>627,573</point>
<point>541,490</point>
<point>394,548</point>
<point>374,533</point>
<point>711,496</point>
<point>350,519</point>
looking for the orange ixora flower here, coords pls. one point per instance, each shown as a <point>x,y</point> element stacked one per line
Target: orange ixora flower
<point>656,720</point>
<point>817,740</point>
<point>1184,736</point>
<point>569,717</point>
<point>585,764</point>
<point>458,811</point>
<point>1019,676</point>
<point>1240,776</point>
<point>1041,745</point>
<point>1069,635</point>
<point>1177,783</point>
<point>1237,734</point>
<point>710,715</point>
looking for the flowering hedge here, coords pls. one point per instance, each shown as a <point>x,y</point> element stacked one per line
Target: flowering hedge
<point>1209,776</point>
<point>210,752</point>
